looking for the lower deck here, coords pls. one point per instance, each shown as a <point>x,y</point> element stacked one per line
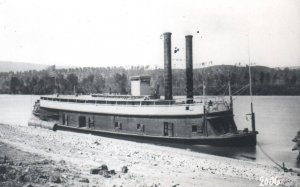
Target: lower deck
<point>163,126</point>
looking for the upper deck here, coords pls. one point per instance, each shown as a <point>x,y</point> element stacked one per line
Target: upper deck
<point>127,105</point>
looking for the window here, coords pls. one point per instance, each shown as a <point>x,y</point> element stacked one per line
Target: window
<point>165,128</point>
<point>194,128</point>
<point>118,125</point>
<point>67,120</point>
<point>140,127</point>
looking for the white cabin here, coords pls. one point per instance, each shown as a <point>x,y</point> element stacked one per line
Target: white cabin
<point>140,85</point>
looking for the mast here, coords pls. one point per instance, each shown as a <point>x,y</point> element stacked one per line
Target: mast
<point>74,90</point>
<point>250,84</point>
<point>204,108</point>
<point>55,85</point>
<point>230,96</point>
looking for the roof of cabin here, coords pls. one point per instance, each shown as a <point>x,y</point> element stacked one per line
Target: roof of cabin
<point>135,78</point>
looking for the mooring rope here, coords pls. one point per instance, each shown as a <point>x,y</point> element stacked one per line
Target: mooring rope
<point>241,89</point>
<point>225,91</point>
<point>269,157</point>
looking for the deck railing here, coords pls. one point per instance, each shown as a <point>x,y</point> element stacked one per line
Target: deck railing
<point>179,101</point>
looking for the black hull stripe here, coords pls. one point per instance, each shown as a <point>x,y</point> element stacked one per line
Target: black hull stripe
<point>246,139</point>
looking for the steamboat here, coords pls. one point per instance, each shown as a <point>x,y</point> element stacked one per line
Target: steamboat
<point>145,117</point>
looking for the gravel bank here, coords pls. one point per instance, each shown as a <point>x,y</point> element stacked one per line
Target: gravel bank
<point>148,165</point>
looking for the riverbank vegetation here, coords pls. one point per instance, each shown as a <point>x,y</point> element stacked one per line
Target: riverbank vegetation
<point>266,81</point>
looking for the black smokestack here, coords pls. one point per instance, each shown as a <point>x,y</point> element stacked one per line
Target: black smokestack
<point>168,66</point>
<point>189,68</point>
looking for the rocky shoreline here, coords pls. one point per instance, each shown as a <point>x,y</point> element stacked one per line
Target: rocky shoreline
<point>38,157</point>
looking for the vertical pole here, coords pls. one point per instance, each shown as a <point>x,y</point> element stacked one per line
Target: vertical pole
<point>204,109</point>
<point>55,85</point>
<point>230,96</point>
<point>252,118</point>
<point>203,72</point>
<point>250,84</point>
<point>250,80</point>
<point>204,121</point>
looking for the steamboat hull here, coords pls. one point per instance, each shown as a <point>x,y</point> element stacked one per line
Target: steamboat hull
<point>177,123</point>
<point>174,123</point>
<point>232,140</point>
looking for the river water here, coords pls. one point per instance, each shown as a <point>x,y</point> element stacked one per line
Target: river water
<point>277,121</point>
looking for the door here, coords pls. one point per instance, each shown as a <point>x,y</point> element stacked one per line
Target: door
<point>82,121</point>
<point>91,122</point>
<point>168,129</point>
<point>166,132</point>
<point>63,119</point>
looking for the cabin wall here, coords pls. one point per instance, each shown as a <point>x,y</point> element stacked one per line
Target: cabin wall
<point>182,127</point>
<point>135,87</point>
<point>104,122</point>
<point>145,88</point>
<point>154,126</point>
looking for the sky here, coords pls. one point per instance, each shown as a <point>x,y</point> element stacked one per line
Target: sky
<point>124,33</point>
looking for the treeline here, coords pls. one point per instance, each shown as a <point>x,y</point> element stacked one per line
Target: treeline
<point>265,81</point>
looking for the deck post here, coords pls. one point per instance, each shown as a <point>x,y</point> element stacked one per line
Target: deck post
<point>204,121</point>
<point>252,118</point>
<point>230,96</point>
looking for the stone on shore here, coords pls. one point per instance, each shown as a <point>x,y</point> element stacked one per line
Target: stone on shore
<point>55,179</point>
<point>94,171</point>
<point>124,169</point>
<point>85,180</point>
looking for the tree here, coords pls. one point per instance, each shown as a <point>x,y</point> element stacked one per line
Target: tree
<point>121,83</point>
<point>268,78</point>
<point>286,76</point>
<point>261,77</point>
<point>73,80</point>
<point>293,79</point>
<point>275,78</point>
<point>99,84</point>
<point>14,85</point>
<point>233,78</point>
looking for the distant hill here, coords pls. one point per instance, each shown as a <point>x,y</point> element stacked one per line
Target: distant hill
<point>6,66</point>
<point>265,80</point>
<point>294,67</point>
<point>290,67</point>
